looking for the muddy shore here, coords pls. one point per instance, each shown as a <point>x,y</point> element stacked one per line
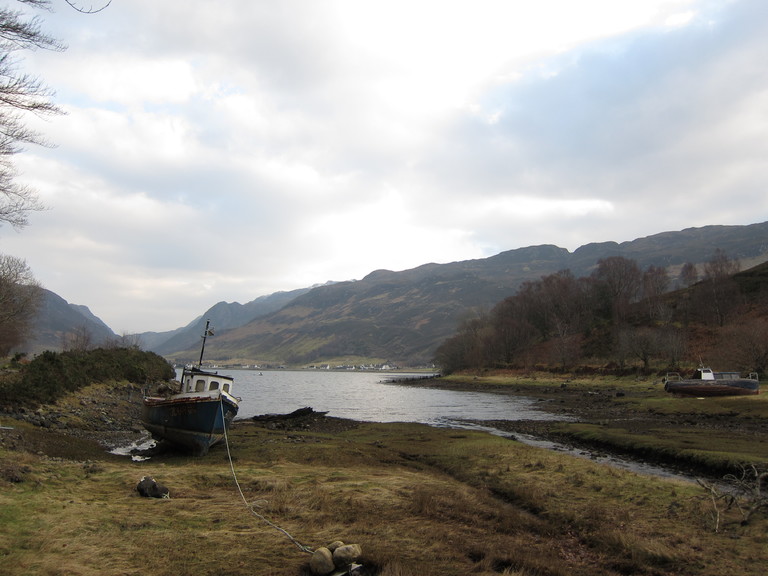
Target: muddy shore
<point>637,409</point>
<point>101,417</point>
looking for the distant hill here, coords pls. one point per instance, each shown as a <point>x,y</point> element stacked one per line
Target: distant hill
<point>401,317</point>
<point>58,322</point>
<point>223,316</point>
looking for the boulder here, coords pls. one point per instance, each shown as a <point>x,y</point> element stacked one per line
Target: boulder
<point>321,562</point>
<point>346,555</point>
<point>149,488</point>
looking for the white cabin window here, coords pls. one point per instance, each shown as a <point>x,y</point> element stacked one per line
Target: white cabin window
<point>214,385</point>
<point>225,387</point>
<point>200,385</point>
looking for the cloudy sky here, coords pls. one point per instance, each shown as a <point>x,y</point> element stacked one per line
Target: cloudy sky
<point>227,150</point>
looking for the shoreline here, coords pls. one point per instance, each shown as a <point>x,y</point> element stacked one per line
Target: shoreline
<point>587,415</point>
<point>418,499</point>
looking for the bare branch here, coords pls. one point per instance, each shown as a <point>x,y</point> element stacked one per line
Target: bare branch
<point>90,10</point>
<point>20,94</point>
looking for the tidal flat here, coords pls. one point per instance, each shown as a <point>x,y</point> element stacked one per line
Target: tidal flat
<point>419,500</point>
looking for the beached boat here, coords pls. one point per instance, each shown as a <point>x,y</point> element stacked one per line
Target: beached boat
<point>706,382</point>
<point>194,413</point>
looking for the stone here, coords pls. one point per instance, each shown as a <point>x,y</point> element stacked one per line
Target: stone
<point>321,562</point>
<point>347,554</point>
<point>149,488</point>
<point>333,545</point>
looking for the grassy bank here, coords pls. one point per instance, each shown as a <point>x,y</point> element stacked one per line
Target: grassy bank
<point>638,418</point>
<point>419,500</point>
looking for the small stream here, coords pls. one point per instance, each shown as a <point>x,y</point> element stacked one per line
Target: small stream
<point>600,457</point>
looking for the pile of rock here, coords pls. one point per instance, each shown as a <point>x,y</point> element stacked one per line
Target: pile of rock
<point>335,558</point>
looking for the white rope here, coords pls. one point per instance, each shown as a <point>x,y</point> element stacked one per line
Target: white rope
<point>298,544</point>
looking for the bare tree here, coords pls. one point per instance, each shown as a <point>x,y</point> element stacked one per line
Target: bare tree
<point>672,344</point>
<point>620,280</point>
<point>748,343</point>
<point>20,94</point>
<point>80,339</point>
<point>470,347</point>
<point>655,284</point>
<point>513,333</point>
<point>720,266</point>
<point>689,274</point>
<point>642,343</point>
<point>721,294</point>
<point>20,298</point>
<point>125,340</point>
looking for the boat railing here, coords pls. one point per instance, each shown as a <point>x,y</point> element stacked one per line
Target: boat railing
<point>672,377</point>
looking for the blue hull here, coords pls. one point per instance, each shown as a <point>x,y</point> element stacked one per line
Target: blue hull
<point>192,423</point>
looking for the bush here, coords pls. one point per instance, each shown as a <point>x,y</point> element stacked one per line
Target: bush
<point>52,374</point>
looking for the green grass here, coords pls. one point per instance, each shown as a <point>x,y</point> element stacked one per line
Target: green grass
<point>636,417</point>
<point>419,500</point>
<point>712,451</point>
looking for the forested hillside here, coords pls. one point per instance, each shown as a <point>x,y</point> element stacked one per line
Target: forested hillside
<point>622,317</point>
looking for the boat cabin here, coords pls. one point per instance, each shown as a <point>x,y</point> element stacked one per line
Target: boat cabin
<point>703,373</point>
<point>195,382</point>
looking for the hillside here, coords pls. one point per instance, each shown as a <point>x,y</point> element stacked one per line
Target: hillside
<point>59,323</point>
<point>401,317</point>
<point>224,316</point>
<point>393,317</point>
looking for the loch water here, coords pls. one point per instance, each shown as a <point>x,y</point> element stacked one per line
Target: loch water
<point>377,397</point>
<point>372,397</point>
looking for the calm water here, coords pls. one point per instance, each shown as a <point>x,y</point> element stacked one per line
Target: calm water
<point>368,397</point>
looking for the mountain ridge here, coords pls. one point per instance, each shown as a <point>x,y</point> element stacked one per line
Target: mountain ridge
<point>400,317</point>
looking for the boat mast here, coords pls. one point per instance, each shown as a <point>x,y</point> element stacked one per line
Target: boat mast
<point>205,335</point>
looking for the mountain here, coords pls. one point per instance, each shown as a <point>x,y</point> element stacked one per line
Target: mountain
<point>393,317</point>
<point>60,323</point>
<point>223,316</point>
<point>401,317</point>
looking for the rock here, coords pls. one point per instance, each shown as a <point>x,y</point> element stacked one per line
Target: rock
<point>321,562</point>
<point>149,488</point>
<point>333,545</point>
<point>347,554</point>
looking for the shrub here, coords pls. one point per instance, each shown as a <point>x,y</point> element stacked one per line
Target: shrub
<point>53,374</point>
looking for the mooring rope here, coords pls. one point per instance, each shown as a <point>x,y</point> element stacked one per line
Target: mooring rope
<point>268,522</point>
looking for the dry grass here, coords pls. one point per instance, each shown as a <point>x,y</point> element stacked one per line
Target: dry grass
<point>420,501</point>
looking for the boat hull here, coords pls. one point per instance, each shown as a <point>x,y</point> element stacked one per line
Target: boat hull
<point>702,388</point>
<point>192,423</point>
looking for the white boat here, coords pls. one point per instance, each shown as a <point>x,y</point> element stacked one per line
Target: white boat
<point>196,414</point>
<point>707,382</point>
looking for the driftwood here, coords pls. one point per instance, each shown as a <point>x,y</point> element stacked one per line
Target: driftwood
<point>747,492</point>
<point>300,413</point>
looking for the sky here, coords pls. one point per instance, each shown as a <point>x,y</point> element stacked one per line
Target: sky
<point>222,151</point>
